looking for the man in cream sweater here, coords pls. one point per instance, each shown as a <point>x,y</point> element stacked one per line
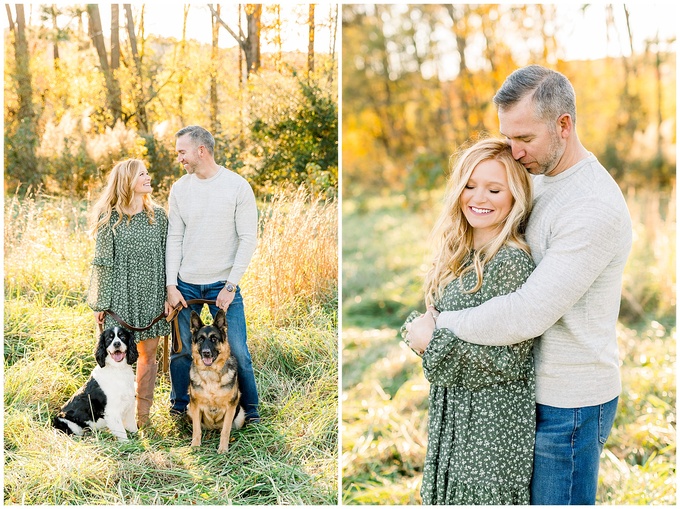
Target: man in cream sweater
<point>580,236</point>
<point>212,235</point>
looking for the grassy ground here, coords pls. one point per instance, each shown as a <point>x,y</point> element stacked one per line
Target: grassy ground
<point>290,458</point>
<point>384,392</point>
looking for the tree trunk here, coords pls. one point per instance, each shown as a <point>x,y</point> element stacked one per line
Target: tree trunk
<point>97,36</point>
<point>388,133</point>
<point>278,59</point>
<point>133,38</point>
<point>630,100</point>
<point>26,116</point>
<point>23,70</point>
<point>140,94</point>
<point>310,47</point>
<point>182,59</point>
<point>250,44</point>
<point>214,65</point>
<point>55,44</point>
<point>241,102</point>
<point>463,85</point>
<point>240,53</point>
<point>9,17</point>
<point>659,101</point>
<point>115,58</point>
<point>253,15</point>
<point>333,38</point>
<point>115,38</point>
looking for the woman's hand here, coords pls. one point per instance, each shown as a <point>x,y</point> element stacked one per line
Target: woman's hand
<point>99,317</point>
<point>420,331</point>
<point>167,308</point>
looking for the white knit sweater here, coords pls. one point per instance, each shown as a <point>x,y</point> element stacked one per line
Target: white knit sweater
<point>212,229</point>
<point>580,236</point>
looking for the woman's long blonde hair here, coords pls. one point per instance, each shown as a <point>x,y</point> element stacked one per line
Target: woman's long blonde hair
<point>452,234</point>
<point>119,195</point>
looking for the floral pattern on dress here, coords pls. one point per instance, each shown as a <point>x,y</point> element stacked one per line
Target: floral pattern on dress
<point>482,410</point>
<point>128,272</point>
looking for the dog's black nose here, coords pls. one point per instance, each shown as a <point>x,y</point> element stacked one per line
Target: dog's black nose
<point>116,343</point>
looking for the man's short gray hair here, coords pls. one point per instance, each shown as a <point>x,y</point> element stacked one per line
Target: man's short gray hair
<point>552,93</point>
<point>198,135</point>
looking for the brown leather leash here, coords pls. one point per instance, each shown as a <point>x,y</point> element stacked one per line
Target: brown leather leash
<point>171,318</point>
<point>126,325</point>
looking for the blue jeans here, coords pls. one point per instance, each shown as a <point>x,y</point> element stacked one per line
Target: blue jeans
<point>180,363</point>
<point>569,442</point>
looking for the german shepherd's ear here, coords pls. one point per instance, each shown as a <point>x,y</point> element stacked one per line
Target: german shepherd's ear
<point>195,321</point>
<point>100,352</point>
<point>221,320</point>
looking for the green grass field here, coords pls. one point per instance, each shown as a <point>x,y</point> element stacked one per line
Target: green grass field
<point>290,458</point>
<point>384,392</point>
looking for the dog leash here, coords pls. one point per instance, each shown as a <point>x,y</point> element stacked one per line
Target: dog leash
<point>126,325</point>
<point>170,318</point>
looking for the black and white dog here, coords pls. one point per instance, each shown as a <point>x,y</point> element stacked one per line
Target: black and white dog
<point>108,397</point>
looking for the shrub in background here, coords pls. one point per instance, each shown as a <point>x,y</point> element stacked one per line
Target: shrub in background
<point>297,142</point>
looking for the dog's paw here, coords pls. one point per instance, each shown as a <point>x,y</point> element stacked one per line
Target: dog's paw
<point>222,450</point>
<point>195,443</point>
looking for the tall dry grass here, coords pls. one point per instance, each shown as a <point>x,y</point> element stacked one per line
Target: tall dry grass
<point>45,247</point>
<point>297,258</point>
<point>649,282</point>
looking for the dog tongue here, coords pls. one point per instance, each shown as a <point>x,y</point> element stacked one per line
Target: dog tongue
<point>118,356</point>
<point>207,361</point>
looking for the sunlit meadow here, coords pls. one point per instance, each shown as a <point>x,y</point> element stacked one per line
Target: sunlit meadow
<point>290,458</point>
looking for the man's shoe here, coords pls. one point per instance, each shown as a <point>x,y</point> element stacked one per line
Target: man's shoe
<point>179,415</point>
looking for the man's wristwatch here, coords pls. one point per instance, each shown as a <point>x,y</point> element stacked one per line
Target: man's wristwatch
<point>230,287</point>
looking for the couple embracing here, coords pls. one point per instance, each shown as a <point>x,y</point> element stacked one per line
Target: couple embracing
<point>147,261</point>
<point>519,338</point>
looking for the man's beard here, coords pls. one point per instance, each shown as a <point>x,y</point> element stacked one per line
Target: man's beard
<point>555,153</point>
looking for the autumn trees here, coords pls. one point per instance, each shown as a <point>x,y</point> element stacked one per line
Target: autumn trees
<point>20,115</point>
<point>87,84</point>
<point>418,82</point>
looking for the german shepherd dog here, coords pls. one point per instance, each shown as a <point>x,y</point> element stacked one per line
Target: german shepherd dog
<point>213,388</point>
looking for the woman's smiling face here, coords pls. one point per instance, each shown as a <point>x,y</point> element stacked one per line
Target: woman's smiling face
<point>486,200</point>
<point>143,182</point>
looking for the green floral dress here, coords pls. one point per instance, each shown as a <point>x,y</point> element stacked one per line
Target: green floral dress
<point>128,272</point>
<point>482,410</point>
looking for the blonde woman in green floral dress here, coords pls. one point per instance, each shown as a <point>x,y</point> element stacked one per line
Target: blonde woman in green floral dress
<point>128,270</point>
<point>482,405</point>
